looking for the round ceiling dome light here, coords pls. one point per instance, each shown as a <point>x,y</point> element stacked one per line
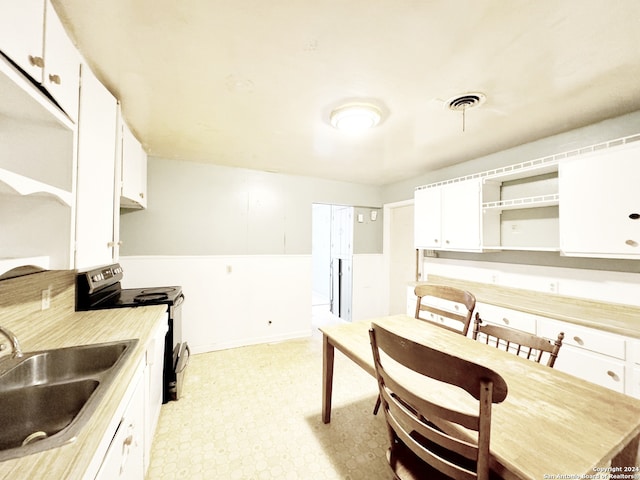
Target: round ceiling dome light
<point>355,117</point>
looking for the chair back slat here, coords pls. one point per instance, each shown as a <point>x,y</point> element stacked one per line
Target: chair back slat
<point>531,346</point>
<point>430,306</point>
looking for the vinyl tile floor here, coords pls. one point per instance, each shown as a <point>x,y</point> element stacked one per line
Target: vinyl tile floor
<point>254,413</point>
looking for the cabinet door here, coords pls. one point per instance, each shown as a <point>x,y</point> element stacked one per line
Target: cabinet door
<point>21,34</point>
<point>427,212</point>
<point>124,458</point>
<point>62,64</point>
<point>134,171</point>
<point>154,385</point>
<point>461,211</point>
<point>600,204</point>
<point>96,173</point>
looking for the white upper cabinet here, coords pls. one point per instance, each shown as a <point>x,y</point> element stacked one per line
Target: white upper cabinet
<point>22,34</point>
<point>427,218</point>
<point>461,207</point>
<point>448,215</point>
<point>96,188</point>
<point>134,171</point>
<point>61,75</point>
<point>32,36</point>
<point>600,203</point>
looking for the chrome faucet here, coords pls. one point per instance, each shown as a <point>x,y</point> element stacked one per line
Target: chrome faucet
<point>17,351</point>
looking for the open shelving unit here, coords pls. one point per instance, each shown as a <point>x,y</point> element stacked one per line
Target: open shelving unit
<point>37,162</point>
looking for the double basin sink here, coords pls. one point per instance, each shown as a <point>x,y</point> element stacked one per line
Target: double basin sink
<point>46,397</point>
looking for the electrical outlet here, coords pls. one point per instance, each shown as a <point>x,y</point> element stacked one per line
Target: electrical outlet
<point>46,298</point>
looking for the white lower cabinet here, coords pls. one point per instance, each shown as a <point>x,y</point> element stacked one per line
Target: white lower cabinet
<point>125,457</point>
<point>635,382</point>
<point>599,369</point>
<point>505,317</point>
<point>153,379</point>
<point>588,353</point>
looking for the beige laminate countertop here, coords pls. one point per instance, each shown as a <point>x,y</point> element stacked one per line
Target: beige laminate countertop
<point>611,317</point>
<point>78,328</point>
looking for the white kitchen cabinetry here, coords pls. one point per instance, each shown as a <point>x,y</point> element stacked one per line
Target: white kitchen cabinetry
<point>37,161</point>
<point>590,354</point>
<point>124,457</point>
<point>33,37</point>
<point>600,207</point>
<point>448,215</point>
<point>61,73</point>
<point>154,382</point>
<point>22,34</point>
<point>634,379</point>
<point>505,317</point>
<point>133,192</point>
<point>427,212</point>
<point>96,187</point>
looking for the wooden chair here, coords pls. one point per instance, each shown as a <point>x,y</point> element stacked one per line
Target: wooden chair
<point>453,305</point>
<point>521,343</point>
<point>442,302</point>
<point>420,448</point>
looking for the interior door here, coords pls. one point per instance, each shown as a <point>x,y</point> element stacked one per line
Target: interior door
<point>402,256</point>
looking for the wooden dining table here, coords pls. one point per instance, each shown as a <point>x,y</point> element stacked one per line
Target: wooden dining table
<point>551,425</point>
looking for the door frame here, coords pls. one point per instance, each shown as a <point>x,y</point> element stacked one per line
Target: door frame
<point>386,246</point>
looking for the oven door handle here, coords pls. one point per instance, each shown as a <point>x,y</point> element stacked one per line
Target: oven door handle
<point>184,364</point>
<point>179,300</point>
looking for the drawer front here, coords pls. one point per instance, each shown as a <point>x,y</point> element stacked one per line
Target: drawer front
<point>599,369</point>
<point>507,318</point>
<point>583,337</point>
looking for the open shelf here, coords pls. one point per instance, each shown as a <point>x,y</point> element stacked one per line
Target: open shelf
<point>527,202</point>
<point>12,183</point>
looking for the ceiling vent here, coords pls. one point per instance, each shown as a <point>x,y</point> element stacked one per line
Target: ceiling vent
<point>463,102</point>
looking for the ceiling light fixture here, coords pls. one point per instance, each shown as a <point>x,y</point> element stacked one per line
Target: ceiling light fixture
<point>355,117</point>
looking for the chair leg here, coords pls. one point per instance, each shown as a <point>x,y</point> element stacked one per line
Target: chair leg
<point>377,407</point>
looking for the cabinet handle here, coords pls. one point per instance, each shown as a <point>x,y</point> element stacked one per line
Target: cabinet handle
<point>129,440</point>
<point>631,243</point>
<point>435,240</point>
<point>113,244</point>
<point>505,320</point>
<point>613,376</point>
<point>634,216</point>
<point>141,195</point>
<point>36,61</point>
<point>55,79</point>
<point>447,242</point>
<point>578,340</point>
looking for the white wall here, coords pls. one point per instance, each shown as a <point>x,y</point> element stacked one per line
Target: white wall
<point>321,250</point>
<point>230,299</point>
<point>203,209</point>
<point>369,287</point>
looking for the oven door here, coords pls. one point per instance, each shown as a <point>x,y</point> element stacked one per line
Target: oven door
<point>181,355</point>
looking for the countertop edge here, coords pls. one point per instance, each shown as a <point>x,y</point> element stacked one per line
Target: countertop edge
<point>616,318</point>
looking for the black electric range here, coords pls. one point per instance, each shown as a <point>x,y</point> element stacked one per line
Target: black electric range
<point>101,288</point>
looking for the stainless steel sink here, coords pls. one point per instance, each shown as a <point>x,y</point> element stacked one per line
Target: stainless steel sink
<point>46,397</point>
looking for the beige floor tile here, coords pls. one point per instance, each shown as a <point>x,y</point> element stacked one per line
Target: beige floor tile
<point>253,413</point>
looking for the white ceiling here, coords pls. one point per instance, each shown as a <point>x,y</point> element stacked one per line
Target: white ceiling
<point>250,83</point>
